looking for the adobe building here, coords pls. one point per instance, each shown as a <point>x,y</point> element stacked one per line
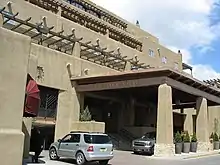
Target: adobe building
<point>82,55</point>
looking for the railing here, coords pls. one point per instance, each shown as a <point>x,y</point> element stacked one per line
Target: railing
<point>115,141</point>
<point>126,134</point>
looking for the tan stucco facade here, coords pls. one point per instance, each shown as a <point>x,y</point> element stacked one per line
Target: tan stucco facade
<point>21,55</point>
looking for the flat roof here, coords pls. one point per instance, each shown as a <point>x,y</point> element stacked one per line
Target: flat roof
<point>179,77</point>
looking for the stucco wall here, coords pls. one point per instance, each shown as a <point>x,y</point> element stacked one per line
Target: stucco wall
<point>15,49</point>
<point>88,126</point>
<point>61,23</point>
<point>54,64</point>
<point>214,119</point>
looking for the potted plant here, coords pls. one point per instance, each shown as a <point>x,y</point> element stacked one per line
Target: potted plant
<point>178,143</point>
<point>193,145</point>
<point>186,143</point>
<point>215,141</point>
<point>85,115</point>
<point>211,137</point>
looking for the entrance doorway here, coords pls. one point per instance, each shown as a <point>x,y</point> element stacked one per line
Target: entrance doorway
<point>47,132</point>
<point>104,111</point>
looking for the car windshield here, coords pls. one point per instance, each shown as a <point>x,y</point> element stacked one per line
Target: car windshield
<point>97,139</point>
<point>149,135</point>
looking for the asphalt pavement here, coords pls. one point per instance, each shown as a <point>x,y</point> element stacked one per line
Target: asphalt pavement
<point>127,158</point>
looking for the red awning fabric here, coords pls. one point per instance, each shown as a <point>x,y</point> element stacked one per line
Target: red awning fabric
<point>32,99</point>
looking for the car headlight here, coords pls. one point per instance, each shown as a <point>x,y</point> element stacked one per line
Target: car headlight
<point>149,143</point>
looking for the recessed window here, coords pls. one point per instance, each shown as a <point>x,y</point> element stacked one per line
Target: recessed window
<point>151,53</point>
<point>176,66</point>
<point>164,60</point>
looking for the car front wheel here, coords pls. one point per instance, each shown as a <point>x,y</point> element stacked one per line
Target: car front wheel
<point>53,154</point>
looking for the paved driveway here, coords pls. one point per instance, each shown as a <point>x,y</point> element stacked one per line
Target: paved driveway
<point>127,158</point>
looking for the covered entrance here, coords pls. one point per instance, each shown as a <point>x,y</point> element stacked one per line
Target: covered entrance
<point>163,90</point>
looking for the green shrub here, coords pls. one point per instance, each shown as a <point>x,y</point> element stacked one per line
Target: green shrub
<point>186,138</point>
<point>85,115</point>
<point>194,138</point>
<point>215,137</point>
<point>178,138</point>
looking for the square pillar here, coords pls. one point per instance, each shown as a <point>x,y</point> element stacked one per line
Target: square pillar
<point>188,122</point>
<point>76,49</point>
<point>14,54</point>
<point>202,130</point>
<point>69,105</point>
<point>164,142</point>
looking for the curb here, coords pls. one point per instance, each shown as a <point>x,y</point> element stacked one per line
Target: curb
<point>185,157</point>
<point>201,155</point>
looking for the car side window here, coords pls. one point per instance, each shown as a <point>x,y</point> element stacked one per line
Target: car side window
<point>66,139</point>
<point>75,138</point>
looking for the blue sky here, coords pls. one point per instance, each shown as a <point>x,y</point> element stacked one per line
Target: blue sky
<point>212,55</point>
<point>193,26</point>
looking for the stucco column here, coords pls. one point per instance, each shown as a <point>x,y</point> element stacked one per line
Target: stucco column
<point>76,50</point>
<point>202,130</point>
<point>107,33</point>
<point>14,54</point>
<point>128,66</point>
<point>188,122</point>
<point>1,20</point>
<point>164,142</point>
<point>69,102</point>
<point>132,112</point>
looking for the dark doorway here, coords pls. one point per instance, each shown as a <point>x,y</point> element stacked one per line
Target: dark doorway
<point>47,132</point>
<point>104,111</point>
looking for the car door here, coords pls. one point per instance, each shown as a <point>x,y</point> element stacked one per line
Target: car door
<point>73,145</point>
<point>63,148</point>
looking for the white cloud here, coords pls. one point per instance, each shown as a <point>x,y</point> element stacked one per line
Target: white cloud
<point>178,24</point>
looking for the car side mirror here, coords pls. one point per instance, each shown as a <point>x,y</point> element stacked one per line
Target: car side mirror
<point>59,140</point>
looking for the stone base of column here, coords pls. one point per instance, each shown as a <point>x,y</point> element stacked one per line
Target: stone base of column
<point>11,147</point>
<point>204,147</point>
<point>164,150</point>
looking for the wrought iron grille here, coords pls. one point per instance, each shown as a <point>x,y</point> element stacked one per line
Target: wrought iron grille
<point>49,99</point>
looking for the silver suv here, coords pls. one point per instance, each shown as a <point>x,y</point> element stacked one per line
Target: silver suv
<point>145,144</point>
<point>83,147</point>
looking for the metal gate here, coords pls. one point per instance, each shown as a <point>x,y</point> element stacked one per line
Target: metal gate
<point>49,99</point>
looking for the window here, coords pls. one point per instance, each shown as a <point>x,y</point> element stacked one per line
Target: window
<point>151,53</point>
<point>75,138</point>
<point>66,139</point>
<point>71,138</point>
<point>97,139</point>
<point>176,66</point>
<point>164,60</point>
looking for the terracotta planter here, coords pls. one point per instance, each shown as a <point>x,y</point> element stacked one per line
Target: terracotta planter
<point>186,147</point>
<point>178,148</point>
<point>216,145</point>
<point>193,146</point>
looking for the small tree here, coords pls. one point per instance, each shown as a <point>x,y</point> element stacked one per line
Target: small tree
<point>85,115</point>
<point>215,137</point>
<point>186,138</point>
<point>178,138</point>
<point>194,138</point>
